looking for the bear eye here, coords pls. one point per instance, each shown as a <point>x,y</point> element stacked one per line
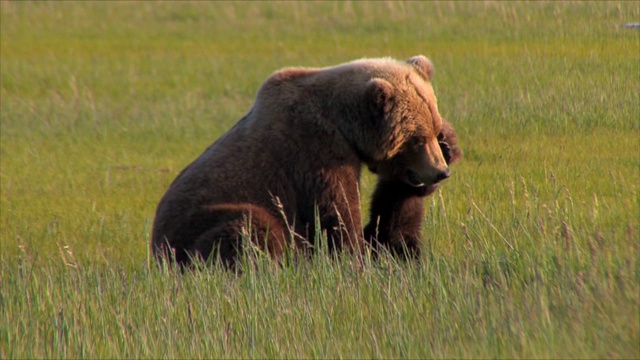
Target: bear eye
<point>418,142</point>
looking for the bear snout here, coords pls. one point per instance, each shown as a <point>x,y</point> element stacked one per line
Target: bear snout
<point>443,175</point>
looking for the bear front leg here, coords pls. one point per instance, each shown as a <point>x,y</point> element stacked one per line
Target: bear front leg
<point>341,224</point>
<point>337,212</point>
<point>396,215</point>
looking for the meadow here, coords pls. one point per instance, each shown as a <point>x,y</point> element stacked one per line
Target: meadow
<point>531,247</point>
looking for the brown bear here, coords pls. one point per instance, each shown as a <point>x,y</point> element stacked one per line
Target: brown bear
<point>290,168</point>
<point>397,207</point>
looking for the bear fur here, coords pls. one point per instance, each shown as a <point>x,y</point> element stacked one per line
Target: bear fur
<point>293,163</point>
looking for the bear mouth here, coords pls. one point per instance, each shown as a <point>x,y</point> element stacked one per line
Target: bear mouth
<point>412,179</point>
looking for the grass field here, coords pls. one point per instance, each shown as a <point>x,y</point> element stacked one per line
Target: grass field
<point>531,248</point>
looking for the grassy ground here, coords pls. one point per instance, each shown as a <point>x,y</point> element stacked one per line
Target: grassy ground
<point>531,247</point>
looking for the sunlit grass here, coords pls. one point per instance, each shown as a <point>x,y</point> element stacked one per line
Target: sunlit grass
<point>531,248</point>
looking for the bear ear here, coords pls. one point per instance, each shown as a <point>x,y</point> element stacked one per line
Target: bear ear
<point>422,65</point>
<point>448,141</point>
<point>380,94</point>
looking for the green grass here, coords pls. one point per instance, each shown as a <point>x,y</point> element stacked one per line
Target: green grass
<point>531,248</point>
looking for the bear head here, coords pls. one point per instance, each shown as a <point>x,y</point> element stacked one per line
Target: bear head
<point>405,110</point>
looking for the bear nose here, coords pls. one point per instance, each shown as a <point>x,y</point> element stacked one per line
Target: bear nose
<point>443,175</point>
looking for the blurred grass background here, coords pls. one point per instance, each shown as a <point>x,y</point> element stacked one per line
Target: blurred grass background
<point>103,103</point>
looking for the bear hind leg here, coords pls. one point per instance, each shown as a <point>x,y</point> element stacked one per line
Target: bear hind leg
<point>233,224</point>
